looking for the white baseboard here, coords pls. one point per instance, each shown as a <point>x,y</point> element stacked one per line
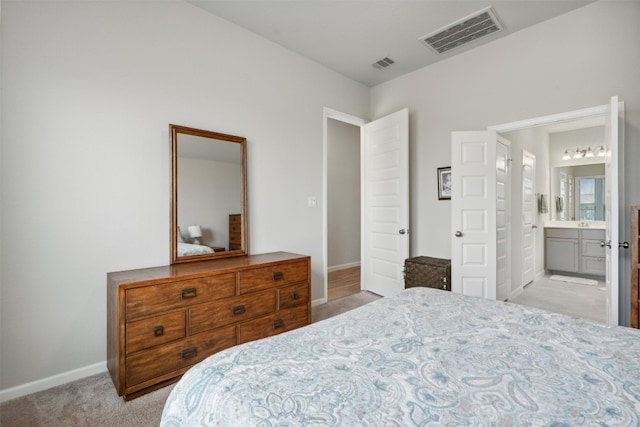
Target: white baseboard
<point>53,381</point>
<point>318,301</point>
<point>516,292</point>
<point>343,266</point>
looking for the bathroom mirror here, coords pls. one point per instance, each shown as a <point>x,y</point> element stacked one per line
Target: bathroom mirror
<point>577,171</point>
<point>208,195</point>
<point>578,192</point>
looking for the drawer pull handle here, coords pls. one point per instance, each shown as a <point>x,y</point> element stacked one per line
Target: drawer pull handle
<point>158,331</point>
<point>278,323</point>
<point>188,293</point>
<point>238,309</point>
<point>294,295</point>
<point>188,353</point>
<point>278,275</point>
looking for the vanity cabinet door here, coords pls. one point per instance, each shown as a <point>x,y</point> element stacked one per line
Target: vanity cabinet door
<point>593,254</point>
<point>562,254</point>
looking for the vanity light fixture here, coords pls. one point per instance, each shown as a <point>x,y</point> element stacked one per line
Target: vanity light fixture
<point>195,232</point>
<point>578,154</point>
<point>589,153</point>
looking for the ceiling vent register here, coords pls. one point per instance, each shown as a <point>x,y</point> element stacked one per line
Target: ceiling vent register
<point>383,63</point>
<point>463,31</point>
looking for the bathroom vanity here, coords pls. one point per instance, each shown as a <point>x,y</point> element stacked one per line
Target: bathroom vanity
<point>575,248</point>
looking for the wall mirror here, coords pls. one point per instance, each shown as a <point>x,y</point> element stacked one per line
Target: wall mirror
<point>578,192</point>
<point>577,160</point>
<point>208,202</point>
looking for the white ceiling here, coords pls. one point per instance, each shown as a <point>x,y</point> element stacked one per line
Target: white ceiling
<point>348,36</point>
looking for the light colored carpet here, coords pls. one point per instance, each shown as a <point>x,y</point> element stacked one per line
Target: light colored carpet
<point>93,401</point>
<point>90,401</point>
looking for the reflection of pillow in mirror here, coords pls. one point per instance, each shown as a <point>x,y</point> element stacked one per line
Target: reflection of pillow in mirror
<point>180,239</point>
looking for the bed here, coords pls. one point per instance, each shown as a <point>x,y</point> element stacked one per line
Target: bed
<point>187,249</point>
<point>423,357</point>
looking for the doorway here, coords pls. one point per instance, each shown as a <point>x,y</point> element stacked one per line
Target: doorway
<point>384,199</point>
<point>559,201</point>
<point>343,209</point>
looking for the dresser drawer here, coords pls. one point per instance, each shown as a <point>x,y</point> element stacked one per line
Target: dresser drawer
<point>293,295</point>
<point>268,277</point>
<point>149,300</point>
<point>273,324</point>
<point>234,238</point>
<point>152,363</point>
<point>154,331</point>
<point>231,310</point>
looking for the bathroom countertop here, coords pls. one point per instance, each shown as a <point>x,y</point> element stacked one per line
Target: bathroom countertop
<point>595,225</point>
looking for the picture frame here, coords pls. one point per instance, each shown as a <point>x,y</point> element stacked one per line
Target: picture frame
<point>444,183</point>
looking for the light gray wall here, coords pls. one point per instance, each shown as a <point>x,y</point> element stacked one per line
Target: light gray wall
<point>88,92</point>
<point>577,60</point>
<point>343,193</point>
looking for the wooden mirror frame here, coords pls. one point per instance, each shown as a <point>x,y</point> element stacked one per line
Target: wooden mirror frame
<point>174,131</point>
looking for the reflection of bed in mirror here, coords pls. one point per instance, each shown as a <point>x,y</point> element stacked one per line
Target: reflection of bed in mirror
<point>189,249</point>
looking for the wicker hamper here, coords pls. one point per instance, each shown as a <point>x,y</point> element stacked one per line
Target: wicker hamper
<point>428,272</point>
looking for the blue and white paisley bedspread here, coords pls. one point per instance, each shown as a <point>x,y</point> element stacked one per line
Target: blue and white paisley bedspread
<point>188,249</point>
<point>425,357</point>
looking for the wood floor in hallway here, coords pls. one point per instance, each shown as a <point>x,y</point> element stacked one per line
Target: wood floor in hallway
<point>344,282</point>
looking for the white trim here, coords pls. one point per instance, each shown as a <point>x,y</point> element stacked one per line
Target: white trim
<point>551,119</point>
<point>600,110</point>
<point>53,381</point>
<point>343,266</point>
<point>318,301</point>
<point>328,113</point>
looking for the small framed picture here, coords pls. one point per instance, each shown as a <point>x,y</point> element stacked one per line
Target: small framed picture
<point>444,183</point>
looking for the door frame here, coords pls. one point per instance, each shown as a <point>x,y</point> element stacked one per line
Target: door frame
<point>534,222</point>
<point>329,113</point>
<point>598,111</point>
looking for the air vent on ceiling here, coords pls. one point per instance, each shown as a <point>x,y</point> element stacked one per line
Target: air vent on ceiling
<point>383,63</point>
<point>465,30</point>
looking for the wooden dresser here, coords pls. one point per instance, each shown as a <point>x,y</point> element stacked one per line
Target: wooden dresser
<point>235,232</point>
<point>163,320</point>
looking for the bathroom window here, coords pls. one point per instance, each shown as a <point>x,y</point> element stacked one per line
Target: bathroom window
<point>591,198</point>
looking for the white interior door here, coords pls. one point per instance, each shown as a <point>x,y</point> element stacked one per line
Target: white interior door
<point>611,205</point>
<point>503,218</point>
<point>473,213</point>
<point>385,203</point>
<point>528,224</point>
